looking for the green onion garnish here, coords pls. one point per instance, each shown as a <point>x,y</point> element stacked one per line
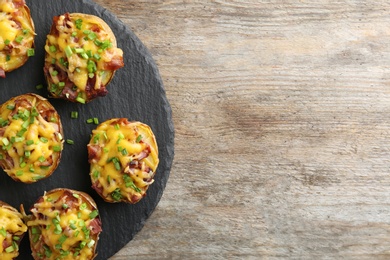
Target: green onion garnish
<point>68,51</point>
<point>74,114</point>
<point>52,48</point>
<point>30,52</point>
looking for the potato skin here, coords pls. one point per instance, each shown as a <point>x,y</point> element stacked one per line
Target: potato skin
<point>15,52</point>
<point>79,68</point>
<point>75,238</point>
<point>123,159</point>
<point>43,128</point>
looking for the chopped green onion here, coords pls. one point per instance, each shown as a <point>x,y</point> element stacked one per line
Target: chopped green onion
<point>74,114</point>
<point>30,52</point>
<point>11,107</point>
<point>68,51</point>
<point>78,23</point>
<point>139,138</point>
<point>6,42</point>
<point>3,232</point>
<point>40,86</point>
<point>69,141</point>
<point>84,55</point>
<point>5,141</point>
<point>97,56</point>
<point>57,148</point>
<point>116,194</point>
<point>54,73</point>
<point>90,120</point>
<point>43,139</point>
<point>19,39</point>
<point>91,243</point>
<point>79,50</point>
<point>93,214</point>
<point>83,206</point>
<point>95,120</point>
<point>8,57</point>
<point>52,48</point>
<point>25,31</point>
<point>41,159</point>
<point>61,84</point>
<point>9,249</point>
<point>80,100</point>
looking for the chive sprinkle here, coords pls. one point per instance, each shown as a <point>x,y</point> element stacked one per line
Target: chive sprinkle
<point>74,114</point>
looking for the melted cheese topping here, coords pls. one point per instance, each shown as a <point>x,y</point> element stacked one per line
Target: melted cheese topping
<point>81,48</point>
<point>16,35</point>
<point>122,170</point>
<point>62,231</point>
<point>11,228</point>
<point>30,144</point>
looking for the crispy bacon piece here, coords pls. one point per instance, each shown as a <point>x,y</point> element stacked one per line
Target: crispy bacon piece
<point>2,73</point>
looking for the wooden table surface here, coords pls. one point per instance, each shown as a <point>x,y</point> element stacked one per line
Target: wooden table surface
<point>282,118</point>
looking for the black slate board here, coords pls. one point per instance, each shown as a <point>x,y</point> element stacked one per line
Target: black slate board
<point>136,92</point>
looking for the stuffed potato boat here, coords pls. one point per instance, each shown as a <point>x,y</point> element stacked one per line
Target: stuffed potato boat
<point>16,35</point>
<point>81,57</point>
<point>64,224</point>
<point>31,138</point>
<point>12,230</point>
<point>123,159</point>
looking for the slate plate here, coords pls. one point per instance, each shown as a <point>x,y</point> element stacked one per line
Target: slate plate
<point>136,92</point>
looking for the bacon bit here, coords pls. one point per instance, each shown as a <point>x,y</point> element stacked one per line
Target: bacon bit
<point>2,73</point>
<point>97,187</point>
<point>95,226</point>
<point>135,198</point>
<point>53,30</point>
<point>48,162</point>
<point>15,18</point>
<point>94,152</point>
<point>120,121</point>
<point>115,63</point>
<point>92,92</point>
<point>68,198</point>
<point>6,243</point>
<point>22,102</point>
<point>66,20</point>
<point>19,3</point>
<point>95,28</point>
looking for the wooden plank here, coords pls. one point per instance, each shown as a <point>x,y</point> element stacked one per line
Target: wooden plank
<point>281,111</point>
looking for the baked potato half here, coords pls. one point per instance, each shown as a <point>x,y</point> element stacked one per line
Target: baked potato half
<point>81,57</point>
<point>63,224</point>
<point>31,138</point>
<point>123,159</point>
<point>12,230</point>
<point>17,35</point>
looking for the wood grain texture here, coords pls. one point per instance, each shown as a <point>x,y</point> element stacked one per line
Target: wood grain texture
<point>281,112</point>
